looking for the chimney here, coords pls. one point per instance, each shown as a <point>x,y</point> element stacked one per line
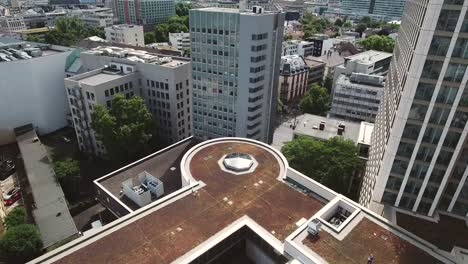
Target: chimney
<point>322,125</point>
<point>340,131</point>
<point>342,126</point>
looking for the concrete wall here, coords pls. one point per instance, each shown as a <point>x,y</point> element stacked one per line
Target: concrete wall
<point>32,91</point>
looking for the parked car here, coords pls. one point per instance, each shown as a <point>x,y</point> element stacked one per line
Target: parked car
<point>12,196</point>
<point>7,168</point>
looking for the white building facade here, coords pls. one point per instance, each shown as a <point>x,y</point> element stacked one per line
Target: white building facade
<point>180,41</point>
<point>32,90</point>
<point>126,34</point>
<point>419,156</point>
<point>11,24</point>
<point>235,68</point>
<point>163,82</point>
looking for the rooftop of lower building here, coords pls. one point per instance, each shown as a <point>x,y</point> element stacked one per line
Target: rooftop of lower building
<point>232,185</point>
<point>136,55</point>
<point>12,49</point>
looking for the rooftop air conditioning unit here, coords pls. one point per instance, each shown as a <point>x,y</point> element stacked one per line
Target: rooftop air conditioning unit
<point>314,226</point>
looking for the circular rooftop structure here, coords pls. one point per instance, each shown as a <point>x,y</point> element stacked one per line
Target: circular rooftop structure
<point>224,157</point>
<point>238,162</point>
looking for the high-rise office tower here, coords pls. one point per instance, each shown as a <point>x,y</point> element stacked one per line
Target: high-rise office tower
<point>143,12</point>
<point>378,9</point>
<point>388,9</point>
<point>419,155</point>
<point>236,56</point>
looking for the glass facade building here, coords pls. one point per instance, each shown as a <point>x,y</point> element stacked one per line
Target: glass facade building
<point>419,155</point>
<point>229,100</point>
<point>143,12</point>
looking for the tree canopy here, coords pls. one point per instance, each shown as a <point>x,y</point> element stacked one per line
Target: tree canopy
<point>69,31</point>
<point>331,162</point>
<point>16,217</point>
<point>377,42</point>
<point>182,9</point>
<point>316,100</point>
<point>67,173</point>
<point>21,243</point>
<point>175,24</point>
<point>339,22</point>
<point>150,37</point>
<point>125,129</point>
<point>314,24</point>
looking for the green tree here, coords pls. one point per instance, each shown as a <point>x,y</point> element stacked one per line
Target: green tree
<point>331,162</point>
<point>360,28</point>
<point>313,24</point>
<point>16,217</point>
<point>69,31</point>
<point>125,129</point>
<point>67,173</point>
<point>21,243</point>
<point>287,37</point>
<point>328,83</point>
<point>182,9</point>
<point>161,32</point>
<point>150,37</point>
<point>348,24</point>
<point>316,101</point>
<point>339,22</point>
<point>367,20</point>
<point>377,42</point>
<point>33,38</point>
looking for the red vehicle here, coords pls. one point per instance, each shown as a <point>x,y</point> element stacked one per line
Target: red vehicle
<point>12,196</point>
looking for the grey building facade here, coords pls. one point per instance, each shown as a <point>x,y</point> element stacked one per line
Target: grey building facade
<point>229,100</point>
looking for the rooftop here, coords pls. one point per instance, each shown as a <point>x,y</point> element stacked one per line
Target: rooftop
<point>138,56</point>
<point>369,57</point>
<point>124,26</point>
<point>271,199</point>
<point>309,125</point>
<point>51,212</point>
<point>313,61</point>
<point>159,166</point>
<point>13,50</point>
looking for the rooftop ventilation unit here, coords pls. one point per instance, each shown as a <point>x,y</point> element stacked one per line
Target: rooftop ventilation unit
<point>340,131</point>
<point>314,226</point>
<point>322,125</point>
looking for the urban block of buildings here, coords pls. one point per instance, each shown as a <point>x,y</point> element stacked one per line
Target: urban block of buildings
<point>163,82</point>
<point>358,86</point>
<point>233,49</point>
<point>235,200</point>
<point>126,34</point>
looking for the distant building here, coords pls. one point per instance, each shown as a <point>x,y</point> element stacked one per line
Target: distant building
<point>31,87</point>
<point>235,71</point>
<point>148,12</point>
<point>98,19</point>
<point>126,34</point>
<point>316,70</point>
<point>358,86</point>
<point>322,44</point>
<point>298,47</point>
<point>11,24</point>
<point>377,9</point>
<point>293,79</point>
<point>180,41</point>
<point>163,82</point>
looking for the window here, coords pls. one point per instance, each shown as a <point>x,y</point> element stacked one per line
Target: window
<point>424,91</point>
<point>448,20</point>
<point>455,72</point>
<point>431,69</point>
<point>461,49</point>
<point>439,46</point>
<point>111,91</point>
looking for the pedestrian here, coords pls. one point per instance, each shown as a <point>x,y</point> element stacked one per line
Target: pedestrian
<point>370,259</point>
